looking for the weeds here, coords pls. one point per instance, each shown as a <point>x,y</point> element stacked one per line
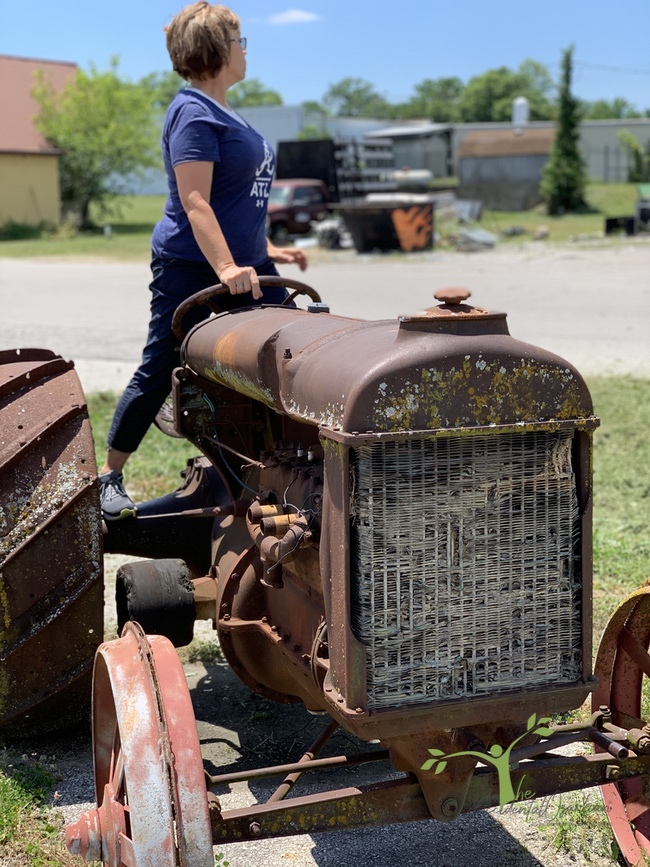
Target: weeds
<point>578,823</point>
<point>30,835</point>
<point>205,652</point>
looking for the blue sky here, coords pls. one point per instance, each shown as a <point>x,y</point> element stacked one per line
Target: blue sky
<point>300,47</point>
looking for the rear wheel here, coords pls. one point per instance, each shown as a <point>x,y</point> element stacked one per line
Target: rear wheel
<point>51,593</point>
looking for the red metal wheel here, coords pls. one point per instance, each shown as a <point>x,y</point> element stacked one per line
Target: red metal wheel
<point>149,778</point>
<point>623,671</point>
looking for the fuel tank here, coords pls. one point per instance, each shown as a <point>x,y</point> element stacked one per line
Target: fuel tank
<point>451,366</point>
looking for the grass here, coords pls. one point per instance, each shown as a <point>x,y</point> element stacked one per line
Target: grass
<point>604,200</point>
<point>155,468</point>
<point>621,491</point>
<point>136,216</point>
<point>30,834</point>
<point>129,239</point>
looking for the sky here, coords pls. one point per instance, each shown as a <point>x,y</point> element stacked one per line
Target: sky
<point>300,47</point>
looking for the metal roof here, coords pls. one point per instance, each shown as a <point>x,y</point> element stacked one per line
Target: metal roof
<point>415,130</point>
<point>18,108</point>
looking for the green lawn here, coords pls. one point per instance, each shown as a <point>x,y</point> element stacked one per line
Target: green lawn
<point>604,200</point>
<point>131,226</point>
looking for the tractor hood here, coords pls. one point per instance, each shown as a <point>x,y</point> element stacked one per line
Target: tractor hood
<point>450,366</point>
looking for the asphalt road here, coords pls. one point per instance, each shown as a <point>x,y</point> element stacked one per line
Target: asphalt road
<point>591,306</point>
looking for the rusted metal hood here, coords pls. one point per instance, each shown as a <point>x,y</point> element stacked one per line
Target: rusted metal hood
<point>450,366</point>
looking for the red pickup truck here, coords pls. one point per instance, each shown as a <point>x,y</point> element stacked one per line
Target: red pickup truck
<point>293,204</point>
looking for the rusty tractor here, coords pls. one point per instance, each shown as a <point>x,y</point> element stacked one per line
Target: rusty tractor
<point>390,522</point>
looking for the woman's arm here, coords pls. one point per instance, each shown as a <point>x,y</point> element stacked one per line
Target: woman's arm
<point>287,255</point>
<point>194,183</point>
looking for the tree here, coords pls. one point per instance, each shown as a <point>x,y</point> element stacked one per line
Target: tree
<point>639,166</point>
<point>564,176</point>
<point>312,106</point>
<point>603,109</point>
<point>488,97</point>
<point>163,87</point>
<point>355,97</point>
<point>436,99</point>
<point>252,92</point>
<point>105,127</point>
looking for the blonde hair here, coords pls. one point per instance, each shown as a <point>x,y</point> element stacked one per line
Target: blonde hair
<point>198,39</point>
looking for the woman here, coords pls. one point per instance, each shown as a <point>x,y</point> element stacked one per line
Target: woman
<point>213,230</point>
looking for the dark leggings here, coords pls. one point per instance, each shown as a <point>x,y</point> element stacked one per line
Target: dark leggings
<point>174,280</point>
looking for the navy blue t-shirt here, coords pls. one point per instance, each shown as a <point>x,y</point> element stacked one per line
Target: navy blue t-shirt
<point>197,129</point>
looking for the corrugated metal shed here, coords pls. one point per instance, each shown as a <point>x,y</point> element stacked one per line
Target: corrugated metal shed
<point>18,135</point>
<point>507,143</point>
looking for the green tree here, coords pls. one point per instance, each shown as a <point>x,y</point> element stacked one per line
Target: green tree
<point>312,131</point>
<point>436,99</point>
<point>252,92</point>
<point>603,109</point>
<point>564,177</point>
<point>162,86</point>
<point>488,97</point>
<point>355,97</point>
<point>105,127</point>
<point>639,168</point>
<point>311,106</point>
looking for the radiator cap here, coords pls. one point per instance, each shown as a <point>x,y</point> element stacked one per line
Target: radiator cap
<point>451,308</point>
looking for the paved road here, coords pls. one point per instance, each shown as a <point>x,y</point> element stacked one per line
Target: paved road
<point>590,306</point>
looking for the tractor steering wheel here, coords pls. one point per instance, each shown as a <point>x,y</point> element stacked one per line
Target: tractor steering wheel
<point>205,297</point>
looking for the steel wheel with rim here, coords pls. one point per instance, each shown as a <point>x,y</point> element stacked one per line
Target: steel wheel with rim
<point>623,671</point>
<point>149,777</point>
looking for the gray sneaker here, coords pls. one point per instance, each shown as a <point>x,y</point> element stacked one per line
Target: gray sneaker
<point>114,500</point>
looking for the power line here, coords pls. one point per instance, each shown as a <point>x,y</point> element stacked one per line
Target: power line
<point>612,68</point>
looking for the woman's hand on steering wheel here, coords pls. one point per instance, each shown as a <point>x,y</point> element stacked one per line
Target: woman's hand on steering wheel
<point>240,280</point>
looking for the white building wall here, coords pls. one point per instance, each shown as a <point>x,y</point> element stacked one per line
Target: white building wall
<point>606,159</point>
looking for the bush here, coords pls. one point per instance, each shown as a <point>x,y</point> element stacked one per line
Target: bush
<point>12,231</point>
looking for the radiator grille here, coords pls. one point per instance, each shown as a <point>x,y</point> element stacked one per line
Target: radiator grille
<point>465,576</point>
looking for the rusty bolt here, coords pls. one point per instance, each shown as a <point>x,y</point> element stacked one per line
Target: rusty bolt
<point>226,617</point>
<point>606,712</point>
<point>612,772</point>
<point>254,829</point>
<point>453,295</point>
<point>449,807</point>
